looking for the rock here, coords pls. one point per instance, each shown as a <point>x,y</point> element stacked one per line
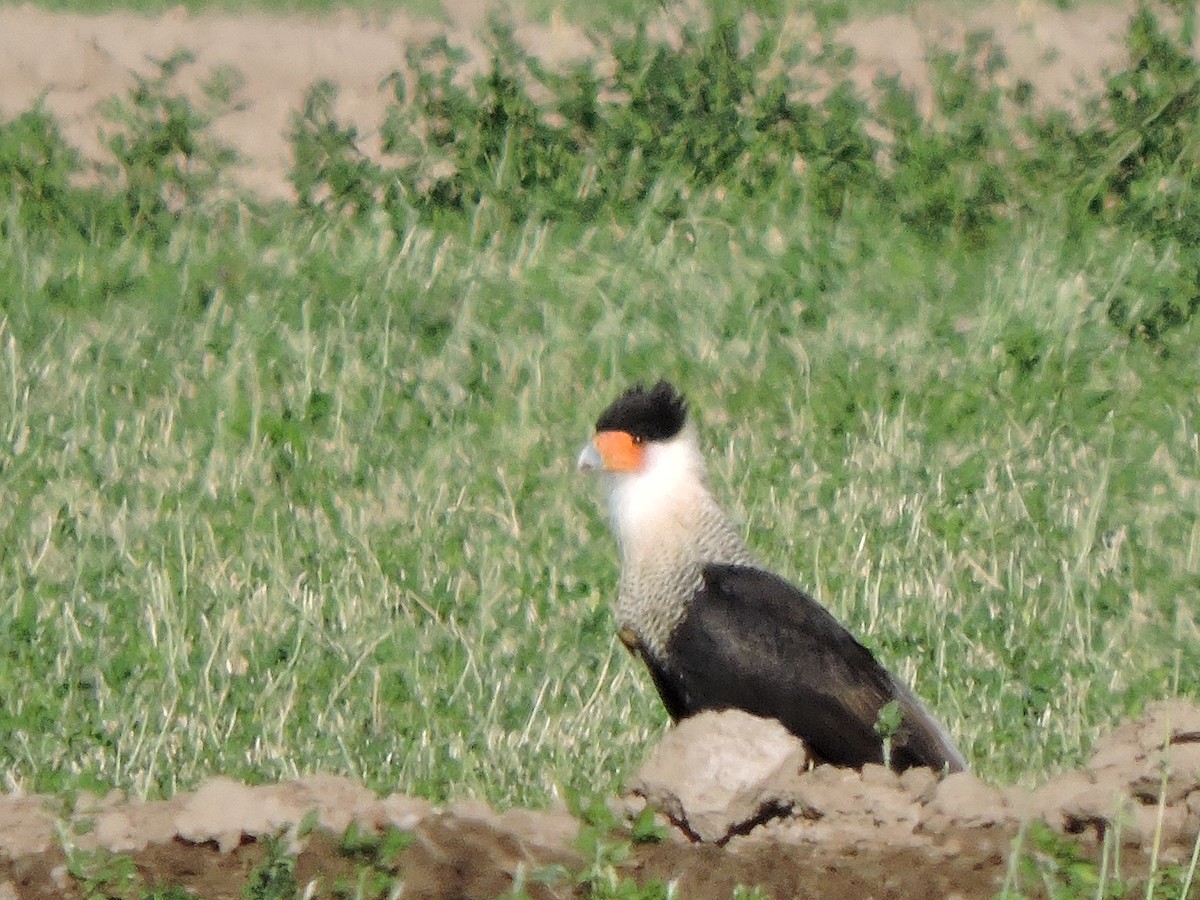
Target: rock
<point>401,811</point>
<point>549,828</point>
<point>920,782</point>
<point>1022,803</point>
<point>828,791</point>
<point>223,810</point>
<point>1050,799</point>
<point>1181,762</point>
<point>132,827</point>
<point>1191,822</point>
<point>1135,757</point>
<point>1146,824</point>
<point>851,807</point>
<point>717,774</point>
<point>1098,806</point>
<point>1193,802</point>
<point>965,800</point>
<point>335,799</point>
<point>626,807</point>
<point>25,825</point>
<point>1121,746</point>
<point>88,802</point>
<point>1168,721</point>
<point>552,829</point>
<point>846,809</point>
<point>472,808</point>
<point>881,776</point>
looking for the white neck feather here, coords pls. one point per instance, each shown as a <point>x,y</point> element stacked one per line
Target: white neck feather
<point>668,526</point>
<point>647,506</point>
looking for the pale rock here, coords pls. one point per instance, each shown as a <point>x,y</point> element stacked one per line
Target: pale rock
<point>880,775</point>
<point>626,807</point>
<point>1022,803</point>
<point>1058,792</point>
<point>1098,806</point>
<point>952,847</point>
<point>26,826</point>
<point>845,834</point>
<point>1119,746</point>
<point>1168,720</point>
<point>1110,756</point>
<point>541,828</point>
<point>828,791</point>
<point>1193,802</point>
<point>223,810</point>
<point>334,798</point>
<point>717,773</point>
<point>933,822</point>
<point>920,781</point>
<point>88,802</point>
<point>472,808</point>
<point>1145,825</point>
<point>1181,763</point>
<point>548,829</point>
<point>403,812</point>
<point>61,878</point>
<point>132,827</point>
<point>872,798</point>
<point>1120,778</point>
<point>966,800</point>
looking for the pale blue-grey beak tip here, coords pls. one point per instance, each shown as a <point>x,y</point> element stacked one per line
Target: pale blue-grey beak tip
<point>589,459</point>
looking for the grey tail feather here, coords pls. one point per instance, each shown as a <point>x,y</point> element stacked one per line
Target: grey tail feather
<point>954,757</point>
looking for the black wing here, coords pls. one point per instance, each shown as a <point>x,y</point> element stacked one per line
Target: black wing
<point>752,641</point>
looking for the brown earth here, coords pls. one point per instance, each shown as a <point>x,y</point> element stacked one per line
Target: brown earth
<point>826,833</point>
<point>794,832</point>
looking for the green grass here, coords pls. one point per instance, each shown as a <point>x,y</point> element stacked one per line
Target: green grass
<point>291,489</point>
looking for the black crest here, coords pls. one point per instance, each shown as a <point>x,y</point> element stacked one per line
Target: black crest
<point>656,414</point>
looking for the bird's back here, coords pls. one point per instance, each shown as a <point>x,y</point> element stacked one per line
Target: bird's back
<point>752,641</point>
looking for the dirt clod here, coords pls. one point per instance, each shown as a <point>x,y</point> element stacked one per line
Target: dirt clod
<point>719,774</point>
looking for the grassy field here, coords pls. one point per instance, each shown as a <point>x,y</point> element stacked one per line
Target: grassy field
<point>291,489</point>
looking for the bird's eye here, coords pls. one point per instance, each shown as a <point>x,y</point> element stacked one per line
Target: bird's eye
<point>637,439</point>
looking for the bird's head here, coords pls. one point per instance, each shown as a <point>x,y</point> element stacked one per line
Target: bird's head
<point>629,433</point>
<point>646,447</point>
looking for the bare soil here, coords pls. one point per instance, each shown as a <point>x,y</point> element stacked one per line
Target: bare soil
<point>210,841</point>
<point>823,832</point>
<point>457,859</point>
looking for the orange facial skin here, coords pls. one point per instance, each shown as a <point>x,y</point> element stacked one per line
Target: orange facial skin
<point>620,450</point>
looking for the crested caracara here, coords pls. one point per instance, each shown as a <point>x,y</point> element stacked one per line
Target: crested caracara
<point>716,630</point>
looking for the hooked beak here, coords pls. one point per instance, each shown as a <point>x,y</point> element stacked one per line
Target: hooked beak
<point>590,459</point>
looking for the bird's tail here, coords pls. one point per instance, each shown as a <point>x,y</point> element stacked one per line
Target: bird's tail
<point>921,740</point>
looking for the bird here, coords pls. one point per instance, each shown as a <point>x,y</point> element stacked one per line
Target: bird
<point>718,631</point>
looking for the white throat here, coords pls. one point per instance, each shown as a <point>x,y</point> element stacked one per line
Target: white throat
<point>668,526</point>
<point>641,505</point>
<point>665,519</point>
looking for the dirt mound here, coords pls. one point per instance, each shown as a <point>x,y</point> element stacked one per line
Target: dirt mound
<point>721,776</point>
<point>77,62</point>
<point>765,819</point>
